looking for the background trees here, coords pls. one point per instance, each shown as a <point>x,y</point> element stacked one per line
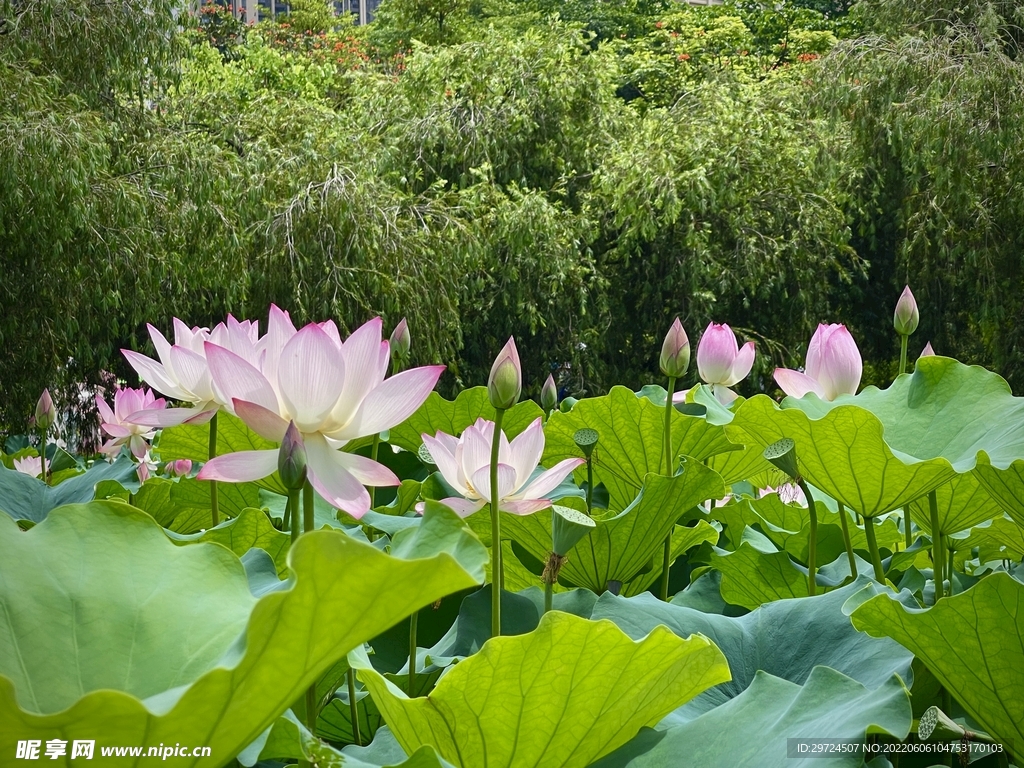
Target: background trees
<point>574,173</point>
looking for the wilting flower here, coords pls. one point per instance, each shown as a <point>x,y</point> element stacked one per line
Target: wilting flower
<point>179,468</point>
<point>789,493</point>
<point>119,424</point>
<point>30,465</point>
<point>833,366</point>
<point>45,413</point>
<point>721,362</point>
<point>182,372</point>
<point>465,463</point>
<point>927,351</point>
<point>334,391</point>
<point>675,351</point>
<point>906,317</point>
<point>505,383</point>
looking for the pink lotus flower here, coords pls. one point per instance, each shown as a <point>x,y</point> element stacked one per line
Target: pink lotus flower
<point>720,361</point>
<point>182,372</point>
<point>789,493</point>
<point>179,468</point>
<point>906,316</point>
<point>465,463</point>
<point>675,351</point>
<point>334,391</point>
<point>505,383</point>
<point>833,366</point>
<point>30,465</point>
<point>119,422</point>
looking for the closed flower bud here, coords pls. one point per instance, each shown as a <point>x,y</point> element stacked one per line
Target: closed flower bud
<point>45,412</point>
<point>927,351</point>
<point>675,351</point>
<point>180,468</point>
<point>906,316</point>
<point>549,395</point>
<point>291,459</point>
<point>401,341</point>
<point>505,383</point>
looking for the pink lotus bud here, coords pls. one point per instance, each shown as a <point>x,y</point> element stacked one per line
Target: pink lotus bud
<point>927,351</point>
<point>675,351</point>
<point>906,316</point>
<point>505,383</point>
<point>45,414</point>
<point>401,341</point>
<point>291,459</point>
<point>720,360</point>
<point>833,359</point>
<point>549,395</point>
<point>180,468</point>
<point>142,471</point>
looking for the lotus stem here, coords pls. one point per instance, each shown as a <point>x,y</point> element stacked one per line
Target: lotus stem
<point>549,594</point>
<point>214,506</point>
<point>937,555</point>
<point>308,523</point>
<point>949,566</point>
<point>42,456</point>
<point>844,521</point>
<point>293,514</point>
<point>353,708</point>
<point>876,560</point>
<point>374,447</point>
<point>413,622</point>
<point>497,574</point>
<point>907,533</point>
<point>590,485</point>
<point>667,441</point>
<point>812,544</point>
<point>903,353</point>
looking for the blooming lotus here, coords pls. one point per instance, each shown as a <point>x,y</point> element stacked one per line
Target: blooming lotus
<point>118,422</point>
<point>334,391</point>
<point>833,366</point>
<point>721,362</point>
<point>465,463</point>
<point>182,372</point>
<point>30,465</point>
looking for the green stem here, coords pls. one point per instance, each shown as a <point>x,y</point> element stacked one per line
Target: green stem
<point>908,533</point>
<point>876,559</point>
<point>413,621</point>
<point>311,709</point>
<point>353,708</point>
<point>308,523</point>
<point>903,353</point>
<point>214,506</point>
<point>497,574</point>
<point>549,593</point>
<point>667,442</point>
<point>844,520</point>
<point>374,446</point>
<point>590,485</point>
<point>937,556</point>
<point>293,514</point>
<point>949,567</point>
<point>42,456</point>
<point>812,544</point>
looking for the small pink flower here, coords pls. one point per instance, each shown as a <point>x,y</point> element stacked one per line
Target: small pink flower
<point>179,468</point>
<point>721,362</point>
<point>129,404</point>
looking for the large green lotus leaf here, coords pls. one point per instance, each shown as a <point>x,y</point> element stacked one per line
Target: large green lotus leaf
<point>786,638</point>
<point>191,498</point>
<point>630,443</point>
<point>26,498</point>
<point>250,529</point>
<point>618,548</point>
<point>1006,486</point>
<point>565,694</point>
<point>98,566</point>
<point>453,416</point>
<point>752,730</point>
<point>972,643</point>
<point>684,538</point>
<point>962,504</point>
<point>1002,538</point>
<point>753,576</point>
<point>192,441</point>
<point>843,453</point>
<point>735,466</point>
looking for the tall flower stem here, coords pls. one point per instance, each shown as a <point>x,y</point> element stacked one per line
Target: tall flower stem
<point>590,485</point>
<point>214,507</point>
<point>948,573</point>
<point>293,514</point>
<point>876,559</point>
<point>308,523</point>
<point>937,554</point>
<point>374,448</point>
<point>907,533</point>
<point>353,708</point>
<point>413,621</point>
<point>903,353</point>
<point>843,519</point>
<point>307,526</point>
<point>42,455</point>
<point>497,573</point>
<point>549,593</point>
<point>667,442</point>
<point>812,544</point>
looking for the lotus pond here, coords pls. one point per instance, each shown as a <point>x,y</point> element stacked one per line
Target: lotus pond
<point>287,548</point>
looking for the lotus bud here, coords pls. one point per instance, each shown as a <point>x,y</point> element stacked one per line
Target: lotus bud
<point>180,468</point>
<point>906,317</point>
<point>401,341</point>
<point>291,459</point>
<point>505,383</point>
<point>45,413</point>
<point>927,351</point>
<point>675,351</point>
<point>549,395</point>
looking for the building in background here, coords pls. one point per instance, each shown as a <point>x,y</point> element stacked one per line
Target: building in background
<point>251,11</point>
